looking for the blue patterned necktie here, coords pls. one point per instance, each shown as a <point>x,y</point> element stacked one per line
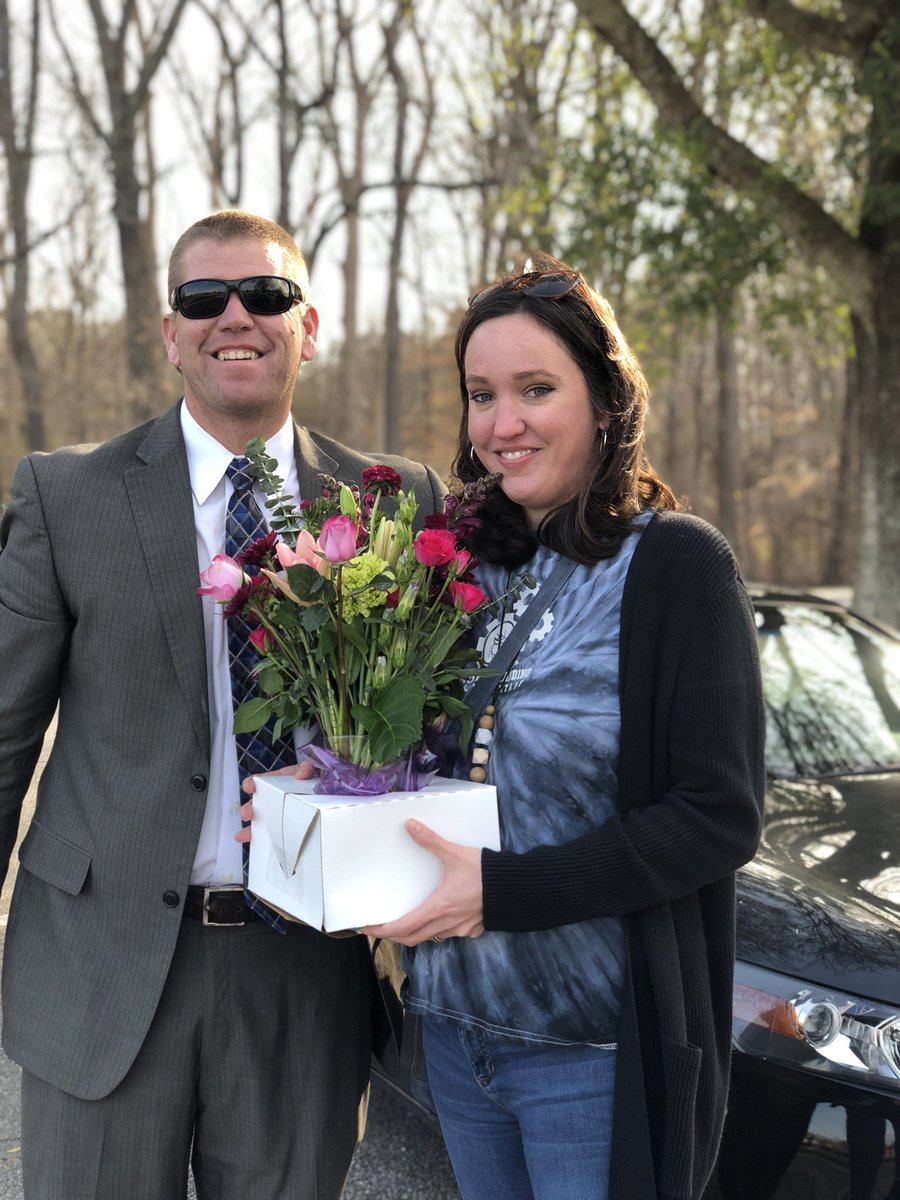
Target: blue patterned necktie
<point>256,752</point>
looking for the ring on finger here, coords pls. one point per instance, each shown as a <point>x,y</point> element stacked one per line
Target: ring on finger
<point>436,937</point>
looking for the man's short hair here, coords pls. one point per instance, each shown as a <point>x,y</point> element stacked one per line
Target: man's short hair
<point>235,225</point>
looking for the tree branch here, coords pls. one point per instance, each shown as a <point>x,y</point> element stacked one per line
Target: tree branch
<point>800,218</point>
<point>47,235</point>
<point>340,211</point>
<point>813,30</point>
<point>156,55</point>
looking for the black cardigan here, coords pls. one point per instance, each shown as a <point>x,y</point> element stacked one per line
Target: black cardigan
<point>691,780</point>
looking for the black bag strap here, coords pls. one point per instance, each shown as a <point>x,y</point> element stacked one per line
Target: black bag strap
<point>485,685</point>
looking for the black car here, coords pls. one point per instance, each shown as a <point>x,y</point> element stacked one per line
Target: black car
<point>814,1107</point>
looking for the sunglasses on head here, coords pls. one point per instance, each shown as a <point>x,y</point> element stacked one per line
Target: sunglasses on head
<point>263,295</point>
<point>545,285</point>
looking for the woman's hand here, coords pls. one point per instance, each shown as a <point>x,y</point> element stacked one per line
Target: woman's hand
<point>248,785</point>
<point>454,909</point>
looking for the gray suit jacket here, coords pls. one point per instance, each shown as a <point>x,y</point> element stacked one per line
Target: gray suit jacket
<point>99,613</point>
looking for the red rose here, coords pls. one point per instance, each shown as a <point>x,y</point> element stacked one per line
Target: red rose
<point>466,595</point>
<point>261,639</point>
<point>433,547</point>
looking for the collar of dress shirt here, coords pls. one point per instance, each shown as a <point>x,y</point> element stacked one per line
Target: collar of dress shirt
<point>208,459</point>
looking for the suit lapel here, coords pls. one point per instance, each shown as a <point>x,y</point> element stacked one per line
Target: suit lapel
<point>159,489</point>
<point>312,461</point>
<point>160,493</point>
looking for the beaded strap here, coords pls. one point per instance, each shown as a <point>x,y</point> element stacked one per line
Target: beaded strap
<point>481,752</point>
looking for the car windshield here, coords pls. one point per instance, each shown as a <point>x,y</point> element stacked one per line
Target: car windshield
<point>832,690</point>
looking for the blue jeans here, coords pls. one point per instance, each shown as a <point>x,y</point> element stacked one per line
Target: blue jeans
<point>522,1121</point>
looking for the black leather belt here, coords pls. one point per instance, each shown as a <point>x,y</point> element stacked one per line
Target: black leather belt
<point>219,905</point>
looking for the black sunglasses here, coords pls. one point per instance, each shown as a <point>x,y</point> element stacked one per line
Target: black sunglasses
<point>263,295</point>
<point>545,285</point>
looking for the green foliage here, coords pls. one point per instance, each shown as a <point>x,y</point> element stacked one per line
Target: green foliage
<point>338,651</point>
<point>264,469</point>
<point>394,720</point>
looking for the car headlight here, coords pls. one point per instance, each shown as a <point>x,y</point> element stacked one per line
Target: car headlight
<point>813,1028</point>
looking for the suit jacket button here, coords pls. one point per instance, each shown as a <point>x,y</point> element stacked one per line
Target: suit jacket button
<point>170,899</point>
<point>198,782</point>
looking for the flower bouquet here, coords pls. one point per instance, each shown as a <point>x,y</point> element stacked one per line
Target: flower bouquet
<point>357,620</point>
<point>359,624</point>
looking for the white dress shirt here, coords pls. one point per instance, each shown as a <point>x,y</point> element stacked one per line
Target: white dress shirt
<point>218,857</point>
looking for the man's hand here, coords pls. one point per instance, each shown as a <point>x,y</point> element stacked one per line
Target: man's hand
<point>454,909</point>
<point>248,785</point>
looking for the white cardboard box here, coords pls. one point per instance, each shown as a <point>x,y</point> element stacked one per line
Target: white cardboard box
<point>341,862</point>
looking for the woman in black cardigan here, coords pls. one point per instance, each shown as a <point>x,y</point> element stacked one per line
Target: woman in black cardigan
<point>575,986</point>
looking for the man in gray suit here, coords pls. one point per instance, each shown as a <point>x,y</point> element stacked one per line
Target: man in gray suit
<point>155,1017</point>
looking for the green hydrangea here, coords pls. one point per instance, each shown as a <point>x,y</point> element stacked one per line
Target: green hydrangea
<point>354,577</point>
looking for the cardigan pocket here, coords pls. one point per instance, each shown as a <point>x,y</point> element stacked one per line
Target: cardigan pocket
<point>53,859</point>
<point>681,1073</point>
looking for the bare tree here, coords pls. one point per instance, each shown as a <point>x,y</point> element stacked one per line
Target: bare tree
<point>217,122</point>
<point>130,53</point>
<point>17,140</point>
<point>348,114</point>
<point>407,164</point>
<point>306,84</point>
<point>516,71</point>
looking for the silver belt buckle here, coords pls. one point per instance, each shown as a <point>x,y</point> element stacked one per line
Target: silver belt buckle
<point>207,891</point>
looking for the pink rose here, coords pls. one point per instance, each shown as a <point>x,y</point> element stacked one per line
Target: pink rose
<point>466,595</point>
<point>223,578</point>
<point>338,539</point>
<point>261,639</point>
<point>308,553</point>
<point>433,547</point>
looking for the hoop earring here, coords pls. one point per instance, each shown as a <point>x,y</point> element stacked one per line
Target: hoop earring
<point>476,462</point>
<point>603,442</point>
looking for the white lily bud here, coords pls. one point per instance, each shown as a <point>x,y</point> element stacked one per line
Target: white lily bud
<point>386,544</point>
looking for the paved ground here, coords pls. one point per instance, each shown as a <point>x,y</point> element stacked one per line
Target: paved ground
<point>400,1159</point>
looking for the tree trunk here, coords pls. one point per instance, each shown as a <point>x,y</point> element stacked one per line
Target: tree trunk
<point>877,582</point>
<point>33,424</point>
<point>864,266</point>
<point>727,470</point>
<point>142,313</point>
<point>355,405</point>
<point>404,177</point>
<point>18,151</point>
<point>844,514</point>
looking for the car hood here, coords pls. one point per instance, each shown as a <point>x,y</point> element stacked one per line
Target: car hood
<point>821,899</point>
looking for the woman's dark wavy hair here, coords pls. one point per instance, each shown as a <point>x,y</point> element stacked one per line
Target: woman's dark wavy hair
<point>621,483</point>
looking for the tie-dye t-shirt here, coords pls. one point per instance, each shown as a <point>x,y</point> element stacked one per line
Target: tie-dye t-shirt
<point>553,760</point>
